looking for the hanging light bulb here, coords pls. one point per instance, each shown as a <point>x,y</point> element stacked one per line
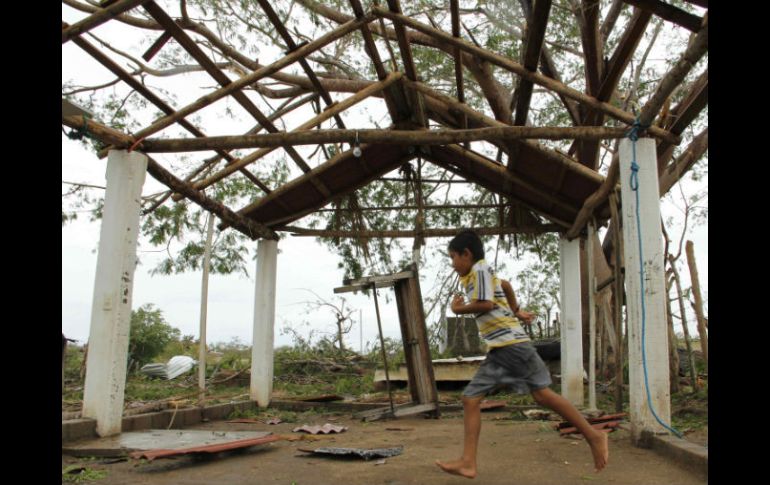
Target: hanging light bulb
<point>357,148</point>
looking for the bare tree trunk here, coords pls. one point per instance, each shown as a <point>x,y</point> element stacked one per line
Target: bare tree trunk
<point>340,323</point>
<point>698,301</point>
<point>673,353</point>
<point>690,356</point>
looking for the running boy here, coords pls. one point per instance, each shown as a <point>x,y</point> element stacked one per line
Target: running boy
<point>511,360</point>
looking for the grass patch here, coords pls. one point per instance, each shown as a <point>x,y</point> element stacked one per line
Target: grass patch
<point>78,474</point>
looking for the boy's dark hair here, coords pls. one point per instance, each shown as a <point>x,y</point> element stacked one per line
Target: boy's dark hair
<point>468,240</point>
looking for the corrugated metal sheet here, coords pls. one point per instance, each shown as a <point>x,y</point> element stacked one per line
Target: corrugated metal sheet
<point>364,453</point>
<point>325,429</point>
<point>215,448</point>
<point>176,366</point>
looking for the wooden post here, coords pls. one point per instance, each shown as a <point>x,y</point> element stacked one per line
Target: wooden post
<point>591,317</point>
<point>618,293</point>
<point>204,306</point>
<point>685,329</point>
<point>264,320</point>
<point>694,281</point>
<point>111,308</point>
<point>571,335</point>
<point>647,334</point>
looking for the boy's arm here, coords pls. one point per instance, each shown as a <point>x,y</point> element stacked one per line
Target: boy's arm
<point>524,316</point>
<point>475,306</point>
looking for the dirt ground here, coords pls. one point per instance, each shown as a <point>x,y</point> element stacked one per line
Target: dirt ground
<point>510,452</point>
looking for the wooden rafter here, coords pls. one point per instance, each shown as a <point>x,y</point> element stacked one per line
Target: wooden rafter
<point>484,231</point>
<point>98,18</point>
<point>676,170</point>
<point>670,81</point>
<point>255,76</point>
<point>517,68</point>
<point>588,151</point>
<point>395,98</point>
<point>287,38</point>
<point>454,7</point>
<point>192,48</point>
<point>669,12</point>
<point>588,19</point>
<point>470,165</point>
<point>387,137</point>
<point>150,96</point>
<point>311,123</point>
<point>683,114</point>
<point>533,45</point>
<point>108,135</point>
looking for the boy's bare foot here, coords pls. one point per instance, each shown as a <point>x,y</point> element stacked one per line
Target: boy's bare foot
<point>600,449</point>
<point>458,467</point>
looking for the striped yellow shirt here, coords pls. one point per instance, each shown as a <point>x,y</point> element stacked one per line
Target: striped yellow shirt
<point>498,327</point>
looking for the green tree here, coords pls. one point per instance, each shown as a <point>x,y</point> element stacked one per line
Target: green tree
<point>150,334</point>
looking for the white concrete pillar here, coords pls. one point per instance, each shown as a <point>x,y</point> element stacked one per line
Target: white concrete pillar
<point>111,308</point>
<point>571,322</point>
<point>264,321</point>
<point>652,257</point>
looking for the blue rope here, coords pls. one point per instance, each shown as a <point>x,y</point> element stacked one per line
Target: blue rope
<point>80,132</point>
<point>633,135</point>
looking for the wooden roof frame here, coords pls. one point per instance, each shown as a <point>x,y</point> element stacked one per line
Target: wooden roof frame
<point>565,191</point>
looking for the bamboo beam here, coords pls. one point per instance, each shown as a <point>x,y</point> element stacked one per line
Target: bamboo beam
<point>192,48</point>
<point>249,79</point>
<point>106,134</point>
<point>669,12</point>
<point>151,97</point>
<point>482,231</point>
<point>673,78</point>
<point>98,18</point>
<point>325,115</point>
<point>287,38</point>
<point>379,136</point>
<point>517,68</point>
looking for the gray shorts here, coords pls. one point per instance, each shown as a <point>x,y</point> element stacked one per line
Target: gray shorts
<point>517,365</point>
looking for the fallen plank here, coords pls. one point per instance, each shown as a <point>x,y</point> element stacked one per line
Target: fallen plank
<point>598,426</point>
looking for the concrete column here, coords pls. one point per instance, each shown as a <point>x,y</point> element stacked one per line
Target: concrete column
<point>111,308</point>
<point>656,337</point>
<point>264,321</point>
<point>571,320</point>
